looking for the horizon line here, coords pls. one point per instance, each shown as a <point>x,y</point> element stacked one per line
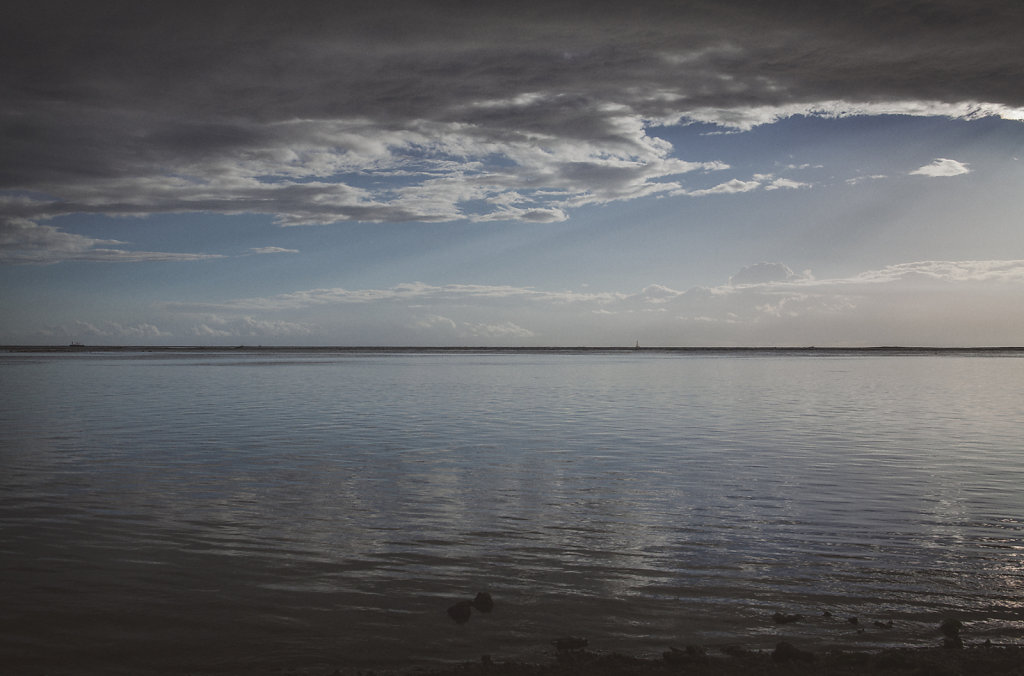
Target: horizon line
<point>79,347</point>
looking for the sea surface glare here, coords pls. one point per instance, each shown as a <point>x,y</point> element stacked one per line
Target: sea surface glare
<point>224,511</point>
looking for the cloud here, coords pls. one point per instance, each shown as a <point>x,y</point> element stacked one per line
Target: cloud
<point>110,331</point>
<point>785,183</point>
<point>436,321</point>
<point>499,330</point>
<point>757,182</point>
<point>25,242</point>
<point>727,188</point>
<point>503,332</point>
<point>408,293</point>
<point>467,309</point>
<point>861,179</point>
<point>763,273</point>
<point>416,111</point>
<point>942,167</point>
<point>970,271</point>
<point>658,293</point>
<point>270,250</point>
<point>917,302</point>
<point>243,327</point>
<point>745,118</point>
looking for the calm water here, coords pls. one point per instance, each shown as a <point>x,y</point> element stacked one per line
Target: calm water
<point>207,512</point>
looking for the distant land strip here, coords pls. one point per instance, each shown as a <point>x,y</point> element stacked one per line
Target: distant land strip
<point>326,349</point>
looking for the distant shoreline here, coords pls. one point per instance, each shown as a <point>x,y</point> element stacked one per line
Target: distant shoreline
<point>326,349</point>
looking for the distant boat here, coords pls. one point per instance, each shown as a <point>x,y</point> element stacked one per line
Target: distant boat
<point>75,343</point>
<point>637,346</point>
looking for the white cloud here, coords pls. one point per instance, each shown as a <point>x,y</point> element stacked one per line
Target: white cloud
<point>939,302</point>
<point>1000,271</point>
<point>763,273</point>
<point>414,292</point>
<point>657,293</point>
<point>861,179</point>
<point>270,250</point>
<point>942,167</point>
<point>498,330</point>
<point>745,118</point>
<point>203,330</point>
<point>785,183</point>
<point>108,331</point>
<point>728,188</point>
<point>759,278</point>
<point>436,321</point>
<point>448,329</point>
<point>25,242</point>
<point>756,182</point>
<point>243,327</point>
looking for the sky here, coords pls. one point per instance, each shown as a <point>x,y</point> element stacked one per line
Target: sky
<point>526,174</point>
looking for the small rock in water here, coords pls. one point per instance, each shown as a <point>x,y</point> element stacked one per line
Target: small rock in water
<point>569,643</point>
<point>951,627</point>
<point>691,655</point>
<point>883,625</point>
<point>781,618</point>
<point>787,652</point>
<point>483,602</point>
<point>734,651</point>
<point>852,620</point>
<point>461,611</point>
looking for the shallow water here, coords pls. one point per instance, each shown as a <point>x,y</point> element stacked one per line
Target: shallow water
<point>175,512</point>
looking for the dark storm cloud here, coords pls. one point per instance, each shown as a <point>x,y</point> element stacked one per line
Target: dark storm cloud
<point>524,111</point>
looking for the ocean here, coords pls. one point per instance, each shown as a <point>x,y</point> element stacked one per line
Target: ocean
<point>246,511</point>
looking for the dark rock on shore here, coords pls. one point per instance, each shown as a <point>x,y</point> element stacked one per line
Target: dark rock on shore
<point>461,611</point>
<point>483,602</point>
<point>787,652</point>
<point>692,654</point>
<point>973,661</point>
<point>569,643</point>
<point>951,627</point>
